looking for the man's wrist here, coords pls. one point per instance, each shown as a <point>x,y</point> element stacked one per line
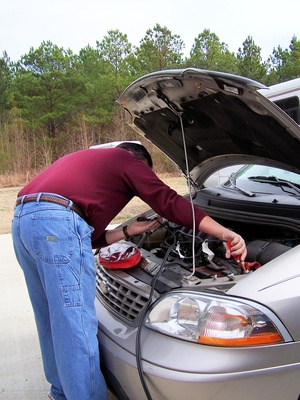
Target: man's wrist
<point>125,231</point>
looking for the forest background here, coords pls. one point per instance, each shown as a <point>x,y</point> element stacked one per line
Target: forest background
<point>53,101</point>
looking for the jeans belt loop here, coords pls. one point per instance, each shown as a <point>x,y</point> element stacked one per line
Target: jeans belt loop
<point>70,205</point>
<point>38,197</point>
<point>21,204</point>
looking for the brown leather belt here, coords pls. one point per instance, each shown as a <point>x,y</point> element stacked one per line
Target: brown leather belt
<point>50,199</point>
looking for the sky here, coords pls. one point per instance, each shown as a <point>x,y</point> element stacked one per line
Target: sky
<point>74,24</point>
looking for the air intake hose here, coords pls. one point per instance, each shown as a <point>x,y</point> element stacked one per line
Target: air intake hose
<point>264,251</point>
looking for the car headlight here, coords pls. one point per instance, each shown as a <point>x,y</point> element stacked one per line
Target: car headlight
<point>215,320</point>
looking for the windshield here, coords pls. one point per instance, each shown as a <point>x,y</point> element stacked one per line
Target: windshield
<point>260,171</point>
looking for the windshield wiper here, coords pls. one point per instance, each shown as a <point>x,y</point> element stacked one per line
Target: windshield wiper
<point>274,180</point>
<point>232,180</point>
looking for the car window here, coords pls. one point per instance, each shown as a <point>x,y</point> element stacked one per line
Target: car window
<point>250,171</point>
<point>221,176</point>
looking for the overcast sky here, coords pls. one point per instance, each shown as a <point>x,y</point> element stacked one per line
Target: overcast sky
<point>76,23</point>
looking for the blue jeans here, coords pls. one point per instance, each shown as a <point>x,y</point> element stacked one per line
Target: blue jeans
<point>53,247</point>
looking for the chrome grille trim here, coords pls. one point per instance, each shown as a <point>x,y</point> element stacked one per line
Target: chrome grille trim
<point>121,292</point>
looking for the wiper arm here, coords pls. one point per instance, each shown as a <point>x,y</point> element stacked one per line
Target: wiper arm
<point>232,181</point>
<point>274,180</point>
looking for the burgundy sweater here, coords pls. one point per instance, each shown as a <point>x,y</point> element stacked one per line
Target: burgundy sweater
<point>102,181</point>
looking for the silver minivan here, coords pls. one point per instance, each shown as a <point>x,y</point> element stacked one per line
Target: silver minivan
<point>185,322</point>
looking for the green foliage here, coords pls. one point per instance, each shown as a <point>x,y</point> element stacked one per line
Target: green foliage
<point>285,64</point>
<point>46,89</point>
<point>250,62</point>
<point>5,77</point>
<point>159,50</point>
<point>209,53</point>
<point>115,48</point>
<point>53,101</point>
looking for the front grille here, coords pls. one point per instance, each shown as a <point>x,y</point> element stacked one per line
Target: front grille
<point>120,292</point>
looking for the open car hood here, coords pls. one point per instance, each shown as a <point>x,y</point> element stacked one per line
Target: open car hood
<point>223,118</point>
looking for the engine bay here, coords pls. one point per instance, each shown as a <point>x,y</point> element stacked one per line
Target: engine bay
<point>169,250</point>
<point>209,252</point>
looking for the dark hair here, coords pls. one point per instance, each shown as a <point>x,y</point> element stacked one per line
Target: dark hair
<point>138,150</point>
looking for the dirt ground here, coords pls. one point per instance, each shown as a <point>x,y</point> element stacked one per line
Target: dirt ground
<point>8,197</point>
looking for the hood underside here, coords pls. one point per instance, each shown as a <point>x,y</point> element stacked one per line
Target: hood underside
<point>222,117</point>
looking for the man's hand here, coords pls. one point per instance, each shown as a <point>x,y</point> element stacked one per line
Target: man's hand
<point>238,246</point>
<point>143,224</point>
